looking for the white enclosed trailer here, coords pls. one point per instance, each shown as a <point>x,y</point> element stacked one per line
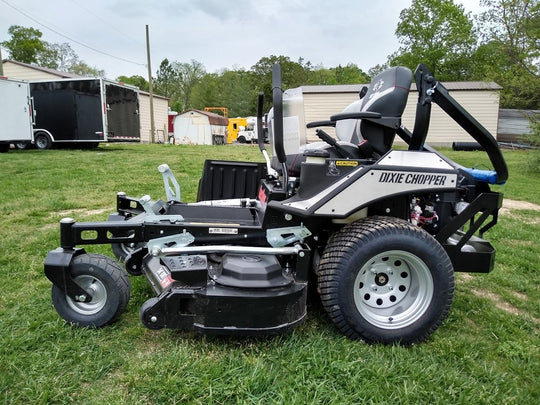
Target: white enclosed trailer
<point>16,113</point>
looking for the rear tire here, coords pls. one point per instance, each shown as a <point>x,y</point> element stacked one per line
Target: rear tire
<point>384,280</point>
<point>106,281</point>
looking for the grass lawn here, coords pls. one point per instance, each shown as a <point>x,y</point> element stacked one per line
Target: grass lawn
<point>486,352</point>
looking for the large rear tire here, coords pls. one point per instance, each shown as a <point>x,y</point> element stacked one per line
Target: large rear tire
<point>108,284</point>
<point>384,280</point>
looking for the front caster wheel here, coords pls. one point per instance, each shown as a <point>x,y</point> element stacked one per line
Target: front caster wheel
<point>108,284</point>
<point>385,280</point>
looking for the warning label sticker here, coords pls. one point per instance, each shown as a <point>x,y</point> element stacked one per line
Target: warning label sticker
<point>349,163</point>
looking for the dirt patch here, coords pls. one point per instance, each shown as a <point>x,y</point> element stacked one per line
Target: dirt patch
<point>520,205</point>
<point>519,243</point>
<point>498,301</point>
<point>463,277</point>
<point>521,296</point>
<point>80,212</point>
<point>505,306</point>
<point>509,205</point>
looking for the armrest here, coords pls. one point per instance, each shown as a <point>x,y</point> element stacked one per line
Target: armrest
<point>355,116</point>
<point>321,124</point>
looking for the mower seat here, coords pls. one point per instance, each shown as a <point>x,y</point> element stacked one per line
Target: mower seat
<point>387,95</point>
<point>365,138</point>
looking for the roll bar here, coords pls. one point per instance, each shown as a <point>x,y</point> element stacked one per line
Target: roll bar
<point>430,90</point>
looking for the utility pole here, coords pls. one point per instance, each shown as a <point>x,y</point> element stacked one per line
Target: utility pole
<point>152,123</point>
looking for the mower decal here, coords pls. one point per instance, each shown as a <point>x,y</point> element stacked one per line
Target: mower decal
<point>412,178</point>
<point>377,184</point>
<point>224,231</point>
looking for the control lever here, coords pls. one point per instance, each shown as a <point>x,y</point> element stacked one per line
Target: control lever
<point>332,142</point>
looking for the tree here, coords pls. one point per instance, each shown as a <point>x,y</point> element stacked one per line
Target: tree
<point>165,81</point>
<point>293,74</point>
<point>177,80</point>
<point>515,26</point>
<point>82,69</point>
<point>349,74</point>
<point>230,88</point>
<point>135,80</point>
<point>58,56</point>
<point>189,74</point>
<point>438,33</point>
<point>510,53</point>
<point>25,44</point>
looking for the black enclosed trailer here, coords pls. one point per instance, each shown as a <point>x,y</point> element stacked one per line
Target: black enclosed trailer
<point>84,111</point>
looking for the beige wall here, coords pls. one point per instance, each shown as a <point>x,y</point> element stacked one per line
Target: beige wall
<point>443,130</point>
<point>15,71</point>
<point>161,111</point>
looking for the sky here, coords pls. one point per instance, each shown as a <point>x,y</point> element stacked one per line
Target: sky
<point>221,34</point>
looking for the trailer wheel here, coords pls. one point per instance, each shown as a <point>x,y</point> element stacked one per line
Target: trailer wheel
<point>42,141</point>
<point>22,145</point>
<point>4,147</point>
<point>106,281</point>
<point>384,280</point>
<point>241,139</point>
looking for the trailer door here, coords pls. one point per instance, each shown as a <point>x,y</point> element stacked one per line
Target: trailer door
<point>15,111</point>
<point>89,117</point>
<point>122,114</point>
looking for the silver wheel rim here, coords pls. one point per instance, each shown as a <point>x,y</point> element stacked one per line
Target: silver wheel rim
<point>94,287</point>
<point>41,142</point>
<point>393,289</point>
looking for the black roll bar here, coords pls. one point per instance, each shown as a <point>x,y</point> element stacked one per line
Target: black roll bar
<point>429,90</point>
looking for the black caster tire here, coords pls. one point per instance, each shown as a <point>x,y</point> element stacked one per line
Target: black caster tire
<point>109,285</point>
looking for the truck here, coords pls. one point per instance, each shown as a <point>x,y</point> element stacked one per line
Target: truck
<point>235,126</point>
<point>84,112</point>
<point>16,113</point>
<point>248,134</point>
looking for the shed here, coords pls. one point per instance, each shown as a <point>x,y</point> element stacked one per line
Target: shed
<point>25,71</point>
<point>513,124</point>
<point>197,127</point>
<point>480,99</point>
<point>161,117</point>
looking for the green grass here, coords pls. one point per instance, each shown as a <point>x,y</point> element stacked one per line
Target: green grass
<point>486,352</point>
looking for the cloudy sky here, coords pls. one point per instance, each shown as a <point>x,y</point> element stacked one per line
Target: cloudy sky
<point>221,34</point>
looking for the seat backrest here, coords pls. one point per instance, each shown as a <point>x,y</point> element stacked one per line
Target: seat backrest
<point>387,95</point>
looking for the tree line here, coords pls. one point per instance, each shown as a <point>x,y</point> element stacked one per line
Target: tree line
<point>501,44</point>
